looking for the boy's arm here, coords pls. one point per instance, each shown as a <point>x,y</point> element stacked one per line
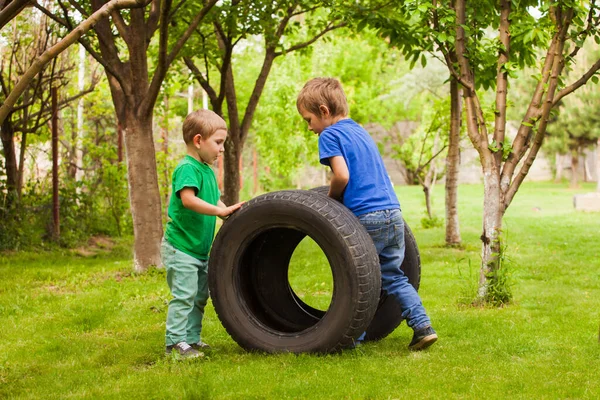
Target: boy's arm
<point>191,202</point>
<point>340,177</point>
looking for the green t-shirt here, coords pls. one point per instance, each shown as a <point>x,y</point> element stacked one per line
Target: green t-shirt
<point>188,230</point>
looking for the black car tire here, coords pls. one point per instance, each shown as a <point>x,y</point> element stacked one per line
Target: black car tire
<point>389,316</point>
<point>248,274</point>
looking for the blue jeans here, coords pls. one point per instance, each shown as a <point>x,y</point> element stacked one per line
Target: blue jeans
<point>187,279</point>
<point>386,228</point>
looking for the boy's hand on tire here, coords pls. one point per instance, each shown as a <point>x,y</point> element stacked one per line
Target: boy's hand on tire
<point>227,211</point>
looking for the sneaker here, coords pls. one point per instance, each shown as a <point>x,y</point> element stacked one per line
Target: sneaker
<point>200,346</point>
<point>183,350</point>
<point>422,339</point>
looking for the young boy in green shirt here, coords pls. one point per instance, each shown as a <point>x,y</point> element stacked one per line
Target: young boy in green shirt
<point>193,209</point>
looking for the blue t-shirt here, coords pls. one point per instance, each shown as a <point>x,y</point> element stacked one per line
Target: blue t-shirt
<point>369,187</point>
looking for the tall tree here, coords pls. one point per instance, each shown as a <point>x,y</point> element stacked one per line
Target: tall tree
<point>277,22</point>
<point>26,40</point>
<point>568,24</point>
<point>484,61</point>
<point>135,75</point>
<point>410,26</point>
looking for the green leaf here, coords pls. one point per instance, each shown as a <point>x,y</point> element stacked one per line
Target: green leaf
<point>595,79</point>
<point>361,25</point>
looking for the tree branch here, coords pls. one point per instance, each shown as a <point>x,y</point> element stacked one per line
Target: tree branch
<point>59,47</point>
<point>577,84</point>
<point>502,76</point>
<point>120,23</point>
<point>166,60</point>
<point>11,10</point>
<point>203,82</point>
<point>557,67</point>
<point>88,47</point>
<point>311,41</point>
<point>153,19</point>
<point>519,145</point>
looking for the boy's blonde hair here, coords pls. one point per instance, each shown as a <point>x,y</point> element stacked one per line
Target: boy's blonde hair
<point>323,91</point>
<point>203,122</point>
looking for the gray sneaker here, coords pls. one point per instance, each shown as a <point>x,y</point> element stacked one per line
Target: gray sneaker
<point>183,350</point>
<point>422,339</point>
<point>200,346</point>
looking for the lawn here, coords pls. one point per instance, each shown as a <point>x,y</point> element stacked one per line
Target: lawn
<point>76,326</point>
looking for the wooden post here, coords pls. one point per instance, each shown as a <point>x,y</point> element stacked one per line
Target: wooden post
<point>55,200</point>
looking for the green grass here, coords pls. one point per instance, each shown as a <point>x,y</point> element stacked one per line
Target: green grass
<point>86,327</point>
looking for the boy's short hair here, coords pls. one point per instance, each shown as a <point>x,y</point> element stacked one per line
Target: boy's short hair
<point>323,91</point>
<point>203,122</point>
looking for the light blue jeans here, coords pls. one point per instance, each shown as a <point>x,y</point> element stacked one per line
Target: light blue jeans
<point>187,279</point>
<point>386,228</point>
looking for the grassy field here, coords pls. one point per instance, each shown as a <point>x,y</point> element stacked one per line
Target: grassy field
<point>86,327</point>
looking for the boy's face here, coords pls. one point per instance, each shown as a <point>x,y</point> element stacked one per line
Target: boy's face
<point>317,123</point>
<point>211,148</point>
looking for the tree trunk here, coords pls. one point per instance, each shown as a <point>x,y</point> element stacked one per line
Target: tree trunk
<point>143,190</point>
<point>586,169</point>
<point>559,168</point>
<point>119,142</point>
<point>574,168</point>
<point>8,144</point>
<point>492,225</point>
<point>21,173</point>
<point>55,199</point>
<point>233,155</point>
<point>452,167</point>
<point>427,200</point>
<point>77,148</point>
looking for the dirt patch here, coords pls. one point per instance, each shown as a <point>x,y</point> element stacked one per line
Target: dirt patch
<point>94,246</point>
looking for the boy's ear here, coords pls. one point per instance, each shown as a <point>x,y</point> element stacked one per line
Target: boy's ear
<point>197,139</point>
<point>324,110</point>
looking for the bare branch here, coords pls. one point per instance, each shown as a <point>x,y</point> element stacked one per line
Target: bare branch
<point>200,78</point>
<point>557,67</point>
<point>120,23</point>
<point>431,159</point>
<point>176,8</point>
<point>78,7</point>
<point>577,84</point>
<point>531,117</point>
<point>164,60</point>
<point>59,47</point>
<point>299,46</point>
<point>153,19</point>
<point>85,43</point>
<point>502,76</point>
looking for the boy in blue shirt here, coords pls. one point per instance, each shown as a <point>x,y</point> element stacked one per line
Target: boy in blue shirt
<point>361,182</point>
<point>193,209</point>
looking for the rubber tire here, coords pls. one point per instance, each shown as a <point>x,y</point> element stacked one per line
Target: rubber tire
<point>248,274</point>
<point>389,315</point>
